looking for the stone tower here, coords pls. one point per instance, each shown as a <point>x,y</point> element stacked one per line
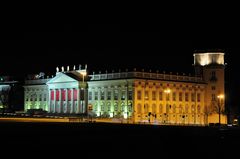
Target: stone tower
<point>210,66</point>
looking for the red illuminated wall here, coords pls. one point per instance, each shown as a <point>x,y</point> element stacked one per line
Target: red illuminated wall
<point>57,95</point>
<point>63,94</point>
<point>52,94</point>
<point>74,94</point>
<point>69,94</point>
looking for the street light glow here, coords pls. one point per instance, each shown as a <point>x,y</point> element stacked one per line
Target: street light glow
<point>220,96</point>
<point>167,91</point>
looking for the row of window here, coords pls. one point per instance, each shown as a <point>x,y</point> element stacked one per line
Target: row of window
<point>170,96</point>
<point>169,108</point>
<point>146,108</point>
<point>108,96</point>
<point>34,97</point>
<point>108,108</point>
<point>173,85</point>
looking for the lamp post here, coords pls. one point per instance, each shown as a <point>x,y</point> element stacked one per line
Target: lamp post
<point>167,91</point>
<point>83,73</point>
<point>220,98</point>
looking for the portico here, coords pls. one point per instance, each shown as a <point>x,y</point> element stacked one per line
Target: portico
<point>67,93</point>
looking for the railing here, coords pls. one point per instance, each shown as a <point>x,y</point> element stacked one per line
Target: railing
<point>145,75</point>
<point>37,81</point>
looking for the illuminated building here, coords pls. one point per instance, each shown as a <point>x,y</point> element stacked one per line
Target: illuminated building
<point>63,93</point>
<point>141,96</point>
<point>10,93</point>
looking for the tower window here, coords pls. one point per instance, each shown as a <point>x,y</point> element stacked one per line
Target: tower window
<point>213,97</point>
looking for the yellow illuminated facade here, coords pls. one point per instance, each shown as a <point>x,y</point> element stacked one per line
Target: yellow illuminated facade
<point>139,96</point>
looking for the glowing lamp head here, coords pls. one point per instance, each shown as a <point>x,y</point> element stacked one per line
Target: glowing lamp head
<point>83,72</point>
<point>209,58</point>
<point>220,96</point>
<point>167,91</point>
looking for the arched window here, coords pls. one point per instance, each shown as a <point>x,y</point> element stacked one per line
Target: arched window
<point>109,106</point>
<point>198,108</point>
<point>160,108</point>
<point>154,108</point>
<point>115,106</point>
<point>167,108</point>
<point>193,109</point>
<point>146,108</point>
<point>180,108</point>
<point>186,109</point>
<point>174,108</point>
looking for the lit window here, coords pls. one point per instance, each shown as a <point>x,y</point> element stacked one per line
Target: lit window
<point>139,109</point>
<point>186,109</point>
<point>115,107</point>
<point>174,108</point>
<point>146,95</point>
<point>109,107</point>
<point>160,108</point>
<point>154,108</point>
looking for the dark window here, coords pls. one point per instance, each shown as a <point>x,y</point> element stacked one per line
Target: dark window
<point>90,95</point>
<point>96,96</point>
<point>180,96</point>
<point>139,94</point>
<point>115,94</point>
<point>193,97</point>
<point>160,96</point>
<point>198,97</point>
<point>108,95</point>
<point>174,96</point>
<point>186,97</point>
<point>102,95</point>
<point>130,95</point>
<point>123,95</point>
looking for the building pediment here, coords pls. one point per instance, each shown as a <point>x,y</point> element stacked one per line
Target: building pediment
<point>62,78</point>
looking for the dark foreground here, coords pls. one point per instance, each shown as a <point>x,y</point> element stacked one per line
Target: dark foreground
<point>93,140</point>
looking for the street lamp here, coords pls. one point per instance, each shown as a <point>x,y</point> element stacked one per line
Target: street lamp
<point>83,73</point>
<point>167,91</point>
<point>220,98</point>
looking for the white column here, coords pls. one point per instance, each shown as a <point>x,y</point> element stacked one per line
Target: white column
<point>78,101</point>
<point>49,100</point>
<point>54,101</point>
<point>60,101</point>
<point>66,101</point>
<point>73,104</point>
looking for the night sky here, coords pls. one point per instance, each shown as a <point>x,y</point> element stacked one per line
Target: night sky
<point>40,47</point>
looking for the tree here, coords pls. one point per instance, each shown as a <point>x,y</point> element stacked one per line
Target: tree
<point>207,112</point>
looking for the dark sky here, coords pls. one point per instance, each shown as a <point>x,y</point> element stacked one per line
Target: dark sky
<point>40,47</point>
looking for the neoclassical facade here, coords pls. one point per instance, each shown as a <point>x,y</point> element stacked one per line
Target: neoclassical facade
<point>137,95</point>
